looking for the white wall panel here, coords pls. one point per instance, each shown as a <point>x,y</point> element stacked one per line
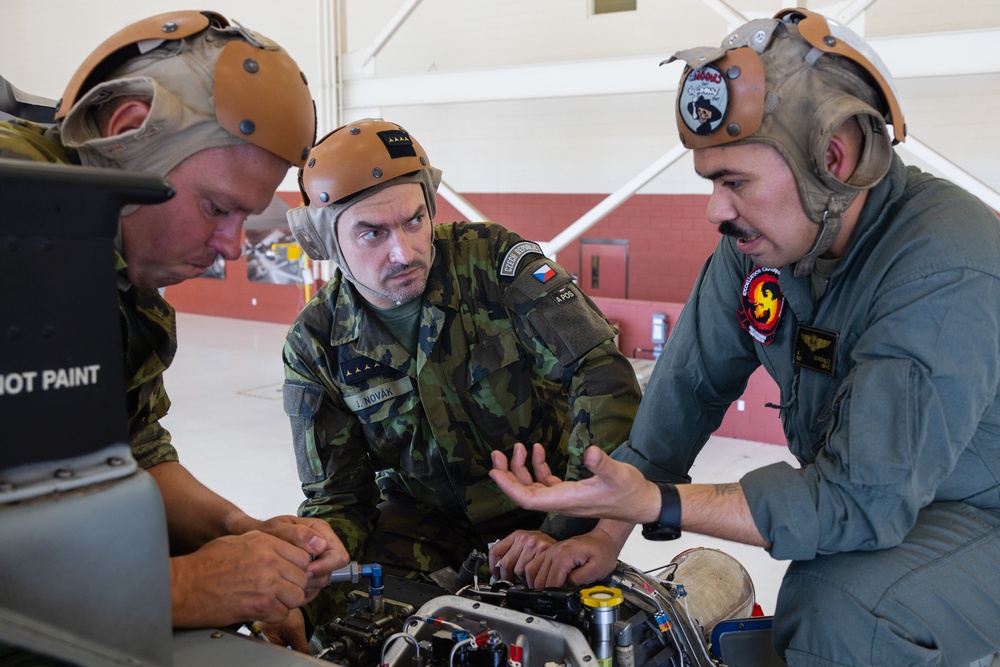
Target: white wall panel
<point>564,145</point>
<point>42,42</point>
<point>590,142</point>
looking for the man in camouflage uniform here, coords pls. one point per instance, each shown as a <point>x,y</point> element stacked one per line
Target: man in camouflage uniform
<point>221,113</point>
<point>433,345</point>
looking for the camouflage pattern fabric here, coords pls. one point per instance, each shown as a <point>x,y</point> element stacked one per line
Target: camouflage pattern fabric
<point>510,350</point>
<point>148,322</point>
<point>21,140</point>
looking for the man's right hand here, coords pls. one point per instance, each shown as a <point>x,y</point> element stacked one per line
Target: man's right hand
<point>579,560</point>
<point>238,578</point>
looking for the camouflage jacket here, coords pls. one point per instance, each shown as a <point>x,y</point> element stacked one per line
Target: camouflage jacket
<point>148,325</point>
<point>510,350</point>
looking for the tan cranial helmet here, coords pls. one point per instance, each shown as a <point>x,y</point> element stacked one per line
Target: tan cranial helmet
<point>790,82</point>
<point>347,165</point>
<point>210,83</point>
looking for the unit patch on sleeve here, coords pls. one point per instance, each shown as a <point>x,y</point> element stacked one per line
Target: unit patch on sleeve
<point>761,305</point>
<point>544,273</point>
<point>563,294</point>
<point>508,267</point>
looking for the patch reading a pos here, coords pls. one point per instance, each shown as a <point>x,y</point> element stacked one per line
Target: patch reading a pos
<point>703,100</point>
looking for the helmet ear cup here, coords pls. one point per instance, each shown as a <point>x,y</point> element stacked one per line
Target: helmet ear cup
<point>876,153</point>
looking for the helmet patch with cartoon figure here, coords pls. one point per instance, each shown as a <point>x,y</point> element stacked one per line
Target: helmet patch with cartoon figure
<point>703,100</point>
<point>761,305</point>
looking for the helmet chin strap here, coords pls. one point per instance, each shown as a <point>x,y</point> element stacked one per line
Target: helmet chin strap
<point>829,227</point>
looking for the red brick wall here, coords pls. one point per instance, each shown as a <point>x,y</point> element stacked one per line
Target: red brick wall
<point>668,235</point>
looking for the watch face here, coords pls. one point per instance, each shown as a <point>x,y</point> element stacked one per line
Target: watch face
<point>658,533</point>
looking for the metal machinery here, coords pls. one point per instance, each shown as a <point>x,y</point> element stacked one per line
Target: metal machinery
<point>696,611</point>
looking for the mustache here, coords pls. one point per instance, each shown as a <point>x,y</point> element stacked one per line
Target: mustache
<point>731,229</point>
<point>396,269</point>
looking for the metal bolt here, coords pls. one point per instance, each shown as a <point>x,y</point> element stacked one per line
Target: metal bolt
<point>733,72</point>
<point>324,197</point>
<point>169,27</point>
<point>312,163</point>
<point>830,41</point>
<point>116,461</point>
<point>355,130</point>
<point>64,473</point>
<point>251,66</point>
<point>734,129</point>
<point>247,126</point>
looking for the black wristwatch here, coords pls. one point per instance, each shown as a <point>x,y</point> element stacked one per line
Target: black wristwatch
<point>669,525</point>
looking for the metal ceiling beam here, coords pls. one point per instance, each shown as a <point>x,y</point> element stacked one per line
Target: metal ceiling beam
<point>461,204</point>
<point>852,11</point>
<point>730,15</point>
<point>945,168</point>
<point>952,54</point>
<point>612,201</point>
<point>381,39</point>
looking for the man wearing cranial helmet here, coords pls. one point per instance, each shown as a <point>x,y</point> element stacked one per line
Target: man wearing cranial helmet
<point>432,345</point>
<point>222,113</point>
<point>871,294</point>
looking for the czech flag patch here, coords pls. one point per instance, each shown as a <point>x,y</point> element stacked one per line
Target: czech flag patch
<point>543,273</point>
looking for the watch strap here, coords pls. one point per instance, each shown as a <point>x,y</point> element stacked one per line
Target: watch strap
<point>668,527</point>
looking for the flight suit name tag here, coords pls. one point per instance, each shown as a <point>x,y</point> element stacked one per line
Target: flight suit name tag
<point>815,349</point>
